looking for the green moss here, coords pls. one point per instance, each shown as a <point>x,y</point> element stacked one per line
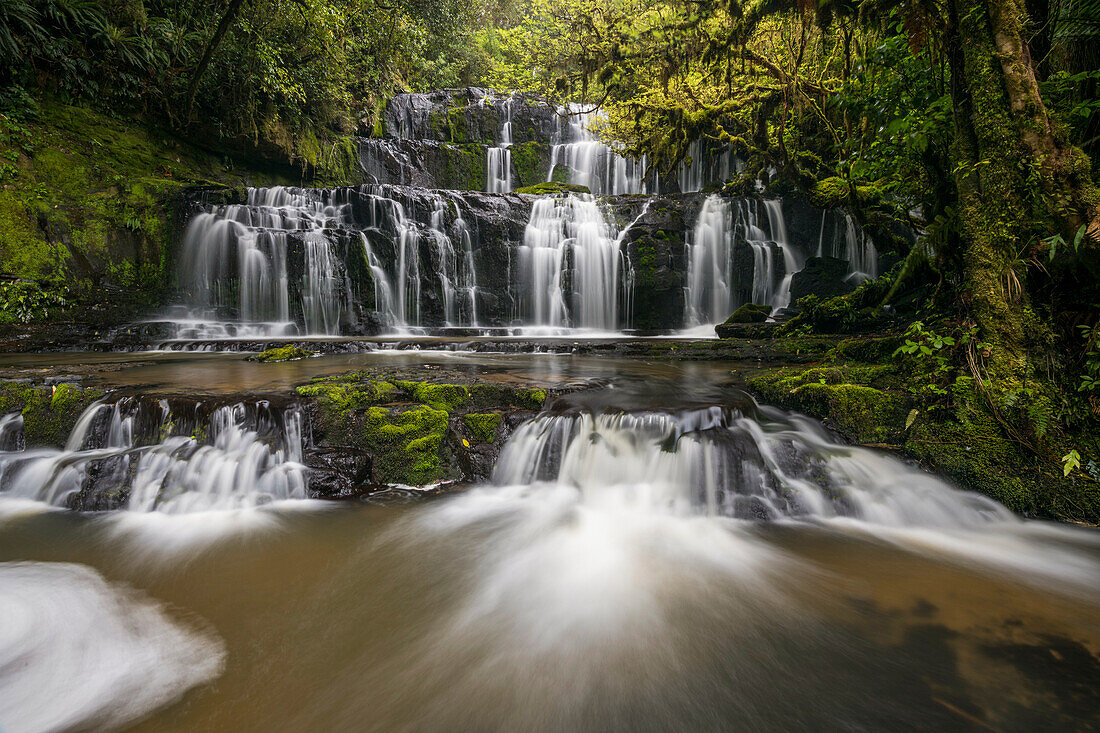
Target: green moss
<point>462,166</point>
<point>483,426</point>
<point>49,413</point>
<point>405,444</point>
<point>532,399</point>
<point>284,353</point>
<point>750,313</point>
<point>550,187</point>
<point>338,397</point>
<point>529,161</point>
<point>833,192</point>
<point>841,396</point>
<point>445,397</point>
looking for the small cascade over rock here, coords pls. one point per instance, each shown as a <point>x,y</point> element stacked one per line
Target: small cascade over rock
<point>579,157</point>
<point>848,241</point>
<point>721,461</point>
<point>718,279</point>
<point>499,158</point>
<point>706,165</point>
<point>146,455</point>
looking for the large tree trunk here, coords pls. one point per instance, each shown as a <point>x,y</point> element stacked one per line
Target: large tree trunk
<point>1018,180</point>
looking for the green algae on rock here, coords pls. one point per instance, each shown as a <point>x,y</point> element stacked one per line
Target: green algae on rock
<point>281,353</point>
<point>49,413</point>
<point>413,430</point>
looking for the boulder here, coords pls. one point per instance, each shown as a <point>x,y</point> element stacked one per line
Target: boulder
<point>825,277</point>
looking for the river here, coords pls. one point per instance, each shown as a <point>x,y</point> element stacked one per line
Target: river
<point>654,552</point>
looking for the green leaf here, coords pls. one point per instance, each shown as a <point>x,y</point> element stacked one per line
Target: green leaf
<point>1078,237</point>
<point>1070,461</point>
<point>912,417</point>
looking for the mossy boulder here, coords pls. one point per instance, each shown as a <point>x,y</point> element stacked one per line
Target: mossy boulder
<point>282,353</point>
<point>49,413</point>
<point>414,432</point>
<point>482,426</point>
<point>842,396</point>
<point>553,187</point>
<point>750,313</point>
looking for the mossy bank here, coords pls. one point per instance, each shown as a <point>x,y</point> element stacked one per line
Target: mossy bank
<point>872,395</point>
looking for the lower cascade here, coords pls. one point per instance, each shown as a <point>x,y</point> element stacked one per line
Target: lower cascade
<point>148,457</point>
<point>718,461</point>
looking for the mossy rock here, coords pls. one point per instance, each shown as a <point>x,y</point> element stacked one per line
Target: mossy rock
<point>750,313</point>
<point>49,413</point>
<point>553,187</point>
<point>867,414</point>
<point>482,426</point>
<point>405,444</point>
<point>406,426</point>
<point>282,353</point>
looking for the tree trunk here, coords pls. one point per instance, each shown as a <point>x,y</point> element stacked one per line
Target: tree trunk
<point>208,53</point>
<point>1017,182</point>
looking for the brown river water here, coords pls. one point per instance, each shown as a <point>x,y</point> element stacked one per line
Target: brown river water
<point>602,581</point>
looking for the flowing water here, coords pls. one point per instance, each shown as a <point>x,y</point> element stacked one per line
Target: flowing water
<point>657,552</point>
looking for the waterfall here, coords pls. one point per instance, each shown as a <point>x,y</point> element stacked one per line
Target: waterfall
<point>792,260</point>
<point>589,162</point>
<point>383,291</point>
<point>234,266</point>
<point>718,461</point>
<point>859,250</point>
<point>710,294</point>
<point>240,456</point>
<point>568,238</point>
<point>320,299</point>
<point>702,167</point>
<point>499,159</point>
<point>468,278</point>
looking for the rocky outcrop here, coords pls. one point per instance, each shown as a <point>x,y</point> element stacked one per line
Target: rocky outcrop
<point>825,277</point>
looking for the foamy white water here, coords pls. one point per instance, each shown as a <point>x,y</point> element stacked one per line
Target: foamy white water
<point>78,652</point>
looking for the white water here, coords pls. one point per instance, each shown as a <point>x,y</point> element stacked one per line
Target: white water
<point>588,161</point>
<point>717,462</point>
<point>78,653</point>
<point>226,464</point>
<point>499,158</point>
<point>711,288</point>
<point>234,268</point>
<point>568,237</point>
<point>699,169</point>
<point>859,250</point>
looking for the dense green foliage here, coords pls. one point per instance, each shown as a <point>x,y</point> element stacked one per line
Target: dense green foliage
<point>289,73</point>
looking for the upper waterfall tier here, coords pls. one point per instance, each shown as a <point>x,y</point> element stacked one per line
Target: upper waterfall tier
<point>481,140</point>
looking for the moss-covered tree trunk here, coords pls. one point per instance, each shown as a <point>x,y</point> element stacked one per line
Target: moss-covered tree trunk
<point>1017,181</point>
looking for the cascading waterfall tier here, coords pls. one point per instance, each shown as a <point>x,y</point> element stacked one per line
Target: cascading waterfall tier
<point>360,261</point>
<point>149,456</point>
<point>236,271</point>
<point>568,266</point>
<point>580,158</point>
<point>858,248</point>
<point>715,284</point>
<point>498,163</point>
<point>720,461</point>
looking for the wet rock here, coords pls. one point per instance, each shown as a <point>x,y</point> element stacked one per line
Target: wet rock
<point>825,277</point>
<point>337,473</point>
